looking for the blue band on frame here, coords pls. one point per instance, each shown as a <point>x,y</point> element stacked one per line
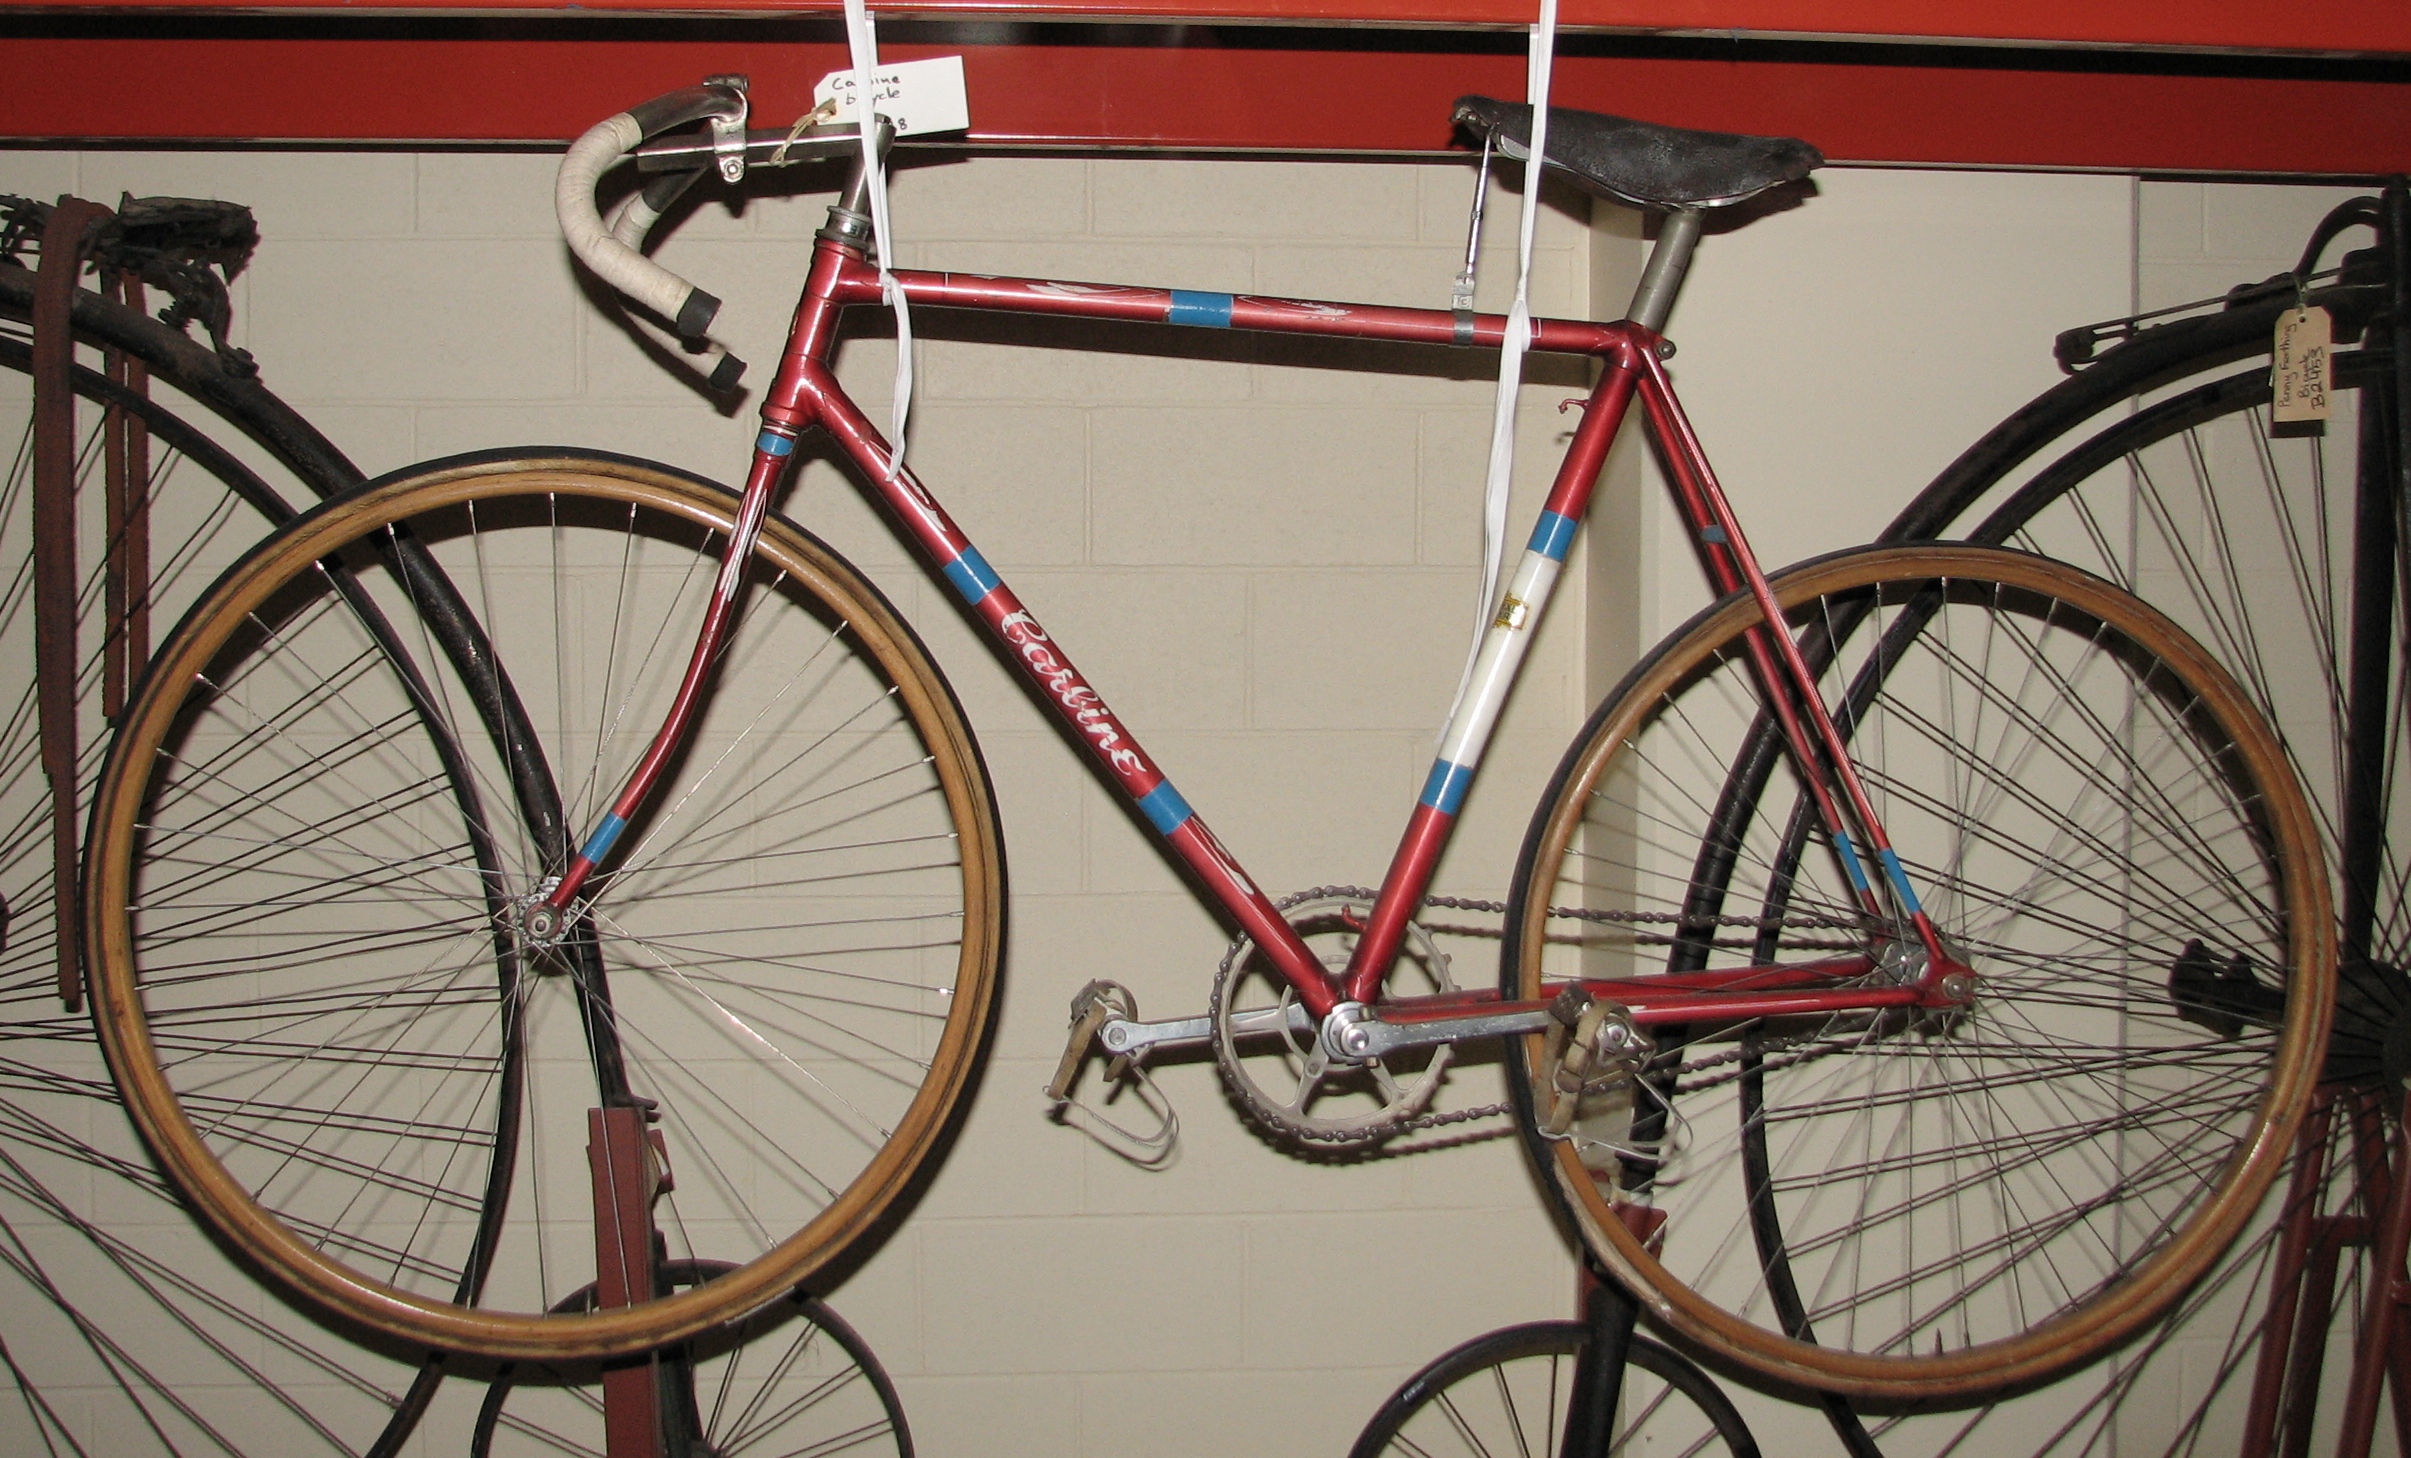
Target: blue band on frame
<point>1850,863</point>
<point>1444,789</point>
<point>775,443</point>
<point>1204,311</point>
<point>598,845</point>
<point>1552,535</point>
<point>1900,881</point>
<point>1164,808</point>
<point>971,576</point>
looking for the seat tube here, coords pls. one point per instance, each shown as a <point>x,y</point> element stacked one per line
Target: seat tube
<point>1504,643</point>
<point>1520,609</point>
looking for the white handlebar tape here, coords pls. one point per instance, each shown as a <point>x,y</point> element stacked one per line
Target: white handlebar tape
<point>689,308</point>
<point>629,223</point>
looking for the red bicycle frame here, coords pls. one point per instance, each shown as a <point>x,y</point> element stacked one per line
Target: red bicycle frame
<point>806,394</point>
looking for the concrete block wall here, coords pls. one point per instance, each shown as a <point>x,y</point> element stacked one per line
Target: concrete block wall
<point>1268,560</point>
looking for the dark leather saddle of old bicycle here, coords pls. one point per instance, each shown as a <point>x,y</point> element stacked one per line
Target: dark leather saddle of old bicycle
<point>1641,163</point>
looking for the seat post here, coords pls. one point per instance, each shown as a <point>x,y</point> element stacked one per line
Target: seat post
<point>1662,278</point>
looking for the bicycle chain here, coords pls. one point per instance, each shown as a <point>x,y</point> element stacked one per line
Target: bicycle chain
<point>1226,1057</point>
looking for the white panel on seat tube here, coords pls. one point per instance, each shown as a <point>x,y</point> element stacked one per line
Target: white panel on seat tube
<point>1504,643</point>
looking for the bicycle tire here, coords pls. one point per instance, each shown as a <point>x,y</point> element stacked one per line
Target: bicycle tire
<point>212,504</point>
<point>819,1397</point>
<point>364,1167</point>
<point>1531,1376</point>
<point>2102,471</point>
<point>235,395</point>
<point>1884,629</point>
<point>225,461</point>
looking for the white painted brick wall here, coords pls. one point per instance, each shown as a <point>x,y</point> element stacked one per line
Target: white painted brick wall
<point>1265,558</point>
<point>1268,561</point>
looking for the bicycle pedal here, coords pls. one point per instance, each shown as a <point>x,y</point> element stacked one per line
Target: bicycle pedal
<point>1596,1045</point>
<point>1091,1007</point>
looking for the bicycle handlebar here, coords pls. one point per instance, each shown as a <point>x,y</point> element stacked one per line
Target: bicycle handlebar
<point>611,250</point>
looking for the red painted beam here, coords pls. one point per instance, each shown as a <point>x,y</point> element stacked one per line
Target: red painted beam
<point>2366,28</point>
<point>1060,87</point>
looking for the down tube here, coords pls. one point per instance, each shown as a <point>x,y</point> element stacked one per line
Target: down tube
<point>1517,617</point>
<point>1082,709</point>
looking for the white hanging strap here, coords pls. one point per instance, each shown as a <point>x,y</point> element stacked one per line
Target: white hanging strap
<point>862,44</point>
<point>1540,57</point>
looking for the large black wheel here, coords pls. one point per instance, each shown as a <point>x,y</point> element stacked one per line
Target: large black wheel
<point>183,459</point>
<point>2286,553</point>
<point>1506,1393</point>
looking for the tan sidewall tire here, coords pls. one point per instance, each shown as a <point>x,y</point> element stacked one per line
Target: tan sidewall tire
<point>2085,1332</point>
<point>229,1208</point>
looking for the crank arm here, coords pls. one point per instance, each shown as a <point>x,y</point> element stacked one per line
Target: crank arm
<point>1366,1038</point>
<point>1128,1037</point>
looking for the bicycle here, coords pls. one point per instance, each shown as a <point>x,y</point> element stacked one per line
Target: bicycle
<point>182,458</point>
<point>122,1329</point>
<point>793,1377</point>
<point>1506,1391</point>
<point>2132,831</point>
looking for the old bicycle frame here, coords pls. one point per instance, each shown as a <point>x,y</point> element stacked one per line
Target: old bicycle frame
<point>791,960</point>
<point>806,394</point>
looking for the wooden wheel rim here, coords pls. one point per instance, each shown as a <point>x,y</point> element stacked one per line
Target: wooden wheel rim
<point>2095,1324</point>
<point>336,1285</point>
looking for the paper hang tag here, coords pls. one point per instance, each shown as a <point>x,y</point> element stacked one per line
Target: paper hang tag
<point>918,96</point>
<point>2298,388</point>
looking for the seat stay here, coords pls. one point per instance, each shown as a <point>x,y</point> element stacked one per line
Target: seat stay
<point>1787,684</point>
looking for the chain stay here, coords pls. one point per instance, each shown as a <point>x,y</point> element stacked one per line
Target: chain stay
<point>1272,1118</point>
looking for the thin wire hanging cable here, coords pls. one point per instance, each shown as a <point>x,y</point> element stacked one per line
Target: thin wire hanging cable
<point>862,43</point>
<point>1540,57</point>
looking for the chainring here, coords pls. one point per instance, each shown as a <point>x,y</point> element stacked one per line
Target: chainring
<point>1383,1102</point>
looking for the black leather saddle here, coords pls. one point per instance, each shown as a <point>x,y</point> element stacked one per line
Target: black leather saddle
<point>1643,164</point>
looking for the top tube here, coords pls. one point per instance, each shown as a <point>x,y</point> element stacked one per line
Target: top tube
<point>1252,312</point>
